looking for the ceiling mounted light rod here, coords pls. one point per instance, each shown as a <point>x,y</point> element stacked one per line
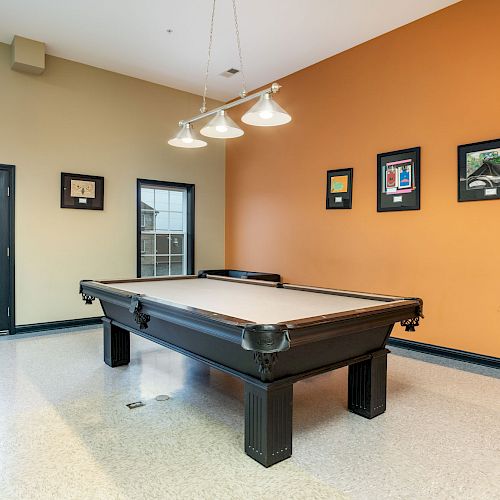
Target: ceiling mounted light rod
<point>270,90</point>
<point>265,113</point>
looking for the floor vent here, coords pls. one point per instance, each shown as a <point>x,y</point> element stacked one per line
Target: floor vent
<point>136,404</point>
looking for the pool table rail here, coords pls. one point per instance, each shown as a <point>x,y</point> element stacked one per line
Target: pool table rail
<point>264,338</point>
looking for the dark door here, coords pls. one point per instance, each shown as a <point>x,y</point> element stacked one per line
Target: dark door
<point>6,249</point>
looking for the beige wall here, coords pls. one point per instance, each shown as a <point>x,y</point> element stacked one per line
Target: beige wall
<point>80,119</point>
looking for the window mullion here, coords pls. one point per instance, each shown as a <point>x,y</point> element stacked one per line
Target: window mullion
<point>169,239</point>
<point>154,233</point>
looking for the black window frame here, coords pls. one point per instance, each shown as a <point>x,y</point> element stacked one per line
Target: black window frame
<point>190,217</point>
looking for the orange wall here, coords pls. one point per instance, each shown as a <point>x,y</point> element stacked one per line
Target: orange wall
<point>434,83</point>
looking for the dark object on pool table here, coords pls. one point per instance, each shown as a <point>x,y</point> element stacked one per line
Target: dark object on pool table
<point>270,335</point>
<point>233,273</point>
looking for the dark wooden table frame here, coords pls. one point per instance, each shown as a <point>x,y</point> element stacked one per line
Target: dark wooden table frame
<point>268,392</point>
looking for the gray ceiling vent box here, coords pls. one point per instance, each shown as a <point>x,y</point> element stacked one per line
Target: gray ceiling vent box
<point>27,55</point>
<point>230,72</point>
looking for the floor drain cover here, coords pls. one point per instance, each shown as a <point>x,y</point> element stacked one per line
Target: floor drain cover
<point>162,397</point>
<point>137,404</point>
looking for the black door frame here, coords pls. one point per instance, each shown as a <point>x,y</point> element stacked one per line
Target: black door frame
<point>190,219</point>
<point>11,170</point>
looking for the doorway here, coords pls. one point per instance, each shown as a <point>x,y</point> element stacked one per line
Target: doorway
<point>7,319</point>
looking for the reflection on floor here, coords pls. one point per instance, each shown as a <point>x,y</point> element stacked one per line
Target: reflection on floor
<point>66,433</point>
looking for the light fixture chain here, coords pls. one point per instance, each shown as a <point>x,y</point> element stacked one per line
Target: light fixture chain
<point>204,104</point>
<point>244,90</point>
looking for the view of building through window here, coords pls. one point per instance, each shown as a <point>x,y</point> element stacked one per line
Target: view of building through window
<point>163,231</point>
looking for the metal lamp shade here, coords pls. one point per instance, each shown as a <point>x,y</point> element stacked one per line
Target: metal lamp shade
<point>266,113</point>
<point>221,127</point>
<point>186,139</point>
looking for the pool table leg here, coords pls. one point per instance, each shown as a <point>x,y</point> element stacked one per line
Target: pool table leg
<point>116,344</point>
<point>368,385</point>
<point>268,422</point>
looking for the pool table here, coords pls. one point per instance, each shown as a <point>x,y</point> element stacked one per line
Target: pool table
<point>269,334</point>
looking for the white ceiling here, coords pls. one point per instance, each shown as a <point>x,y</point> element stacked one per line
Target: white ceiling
<point>278,37</point>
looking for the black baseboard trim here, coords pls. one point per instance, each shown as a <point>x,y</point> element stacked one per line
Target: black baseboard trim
<point>446,352</point>
<point>56,325</point>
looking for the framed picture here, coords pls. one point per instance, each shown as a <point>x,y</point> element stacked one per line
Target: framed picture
<point>82,191</point>
<point>479,171</point>
<point>398,180</point>
<point>339,188</point>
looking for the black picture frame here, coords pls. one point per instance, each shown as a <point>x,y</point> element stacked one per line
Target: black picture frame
<point>87,201</point>
<point>404,175</point>
<point>339,199</point>
<point>483,181</point>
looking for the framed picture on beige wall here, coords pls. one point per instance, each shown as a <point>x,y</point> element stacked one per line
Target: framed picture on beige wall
<point>82,191</point>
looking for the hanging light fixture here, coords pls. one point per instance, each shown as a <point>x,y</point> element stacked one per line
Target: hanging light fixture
<point>221,127</point>
<point>186,139</point>
<point>265,113</point>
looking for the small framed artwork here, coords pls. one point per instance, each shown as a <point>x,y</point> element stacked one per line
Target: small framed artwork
<point>82,191</point>
<point>479,171</point>
<point>398,180</point>
<point>339,188</point>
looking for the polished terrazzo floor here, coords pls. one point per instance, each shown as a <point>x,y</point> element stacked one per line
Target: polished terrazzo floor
<point>66,433</point>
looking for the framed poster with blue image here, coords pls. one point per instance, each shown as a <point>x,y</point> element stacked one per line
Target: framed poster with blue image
<point>398,180</point>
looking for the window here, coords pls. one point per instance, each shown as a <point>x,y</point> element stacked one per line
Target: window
<point>165,236</point>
